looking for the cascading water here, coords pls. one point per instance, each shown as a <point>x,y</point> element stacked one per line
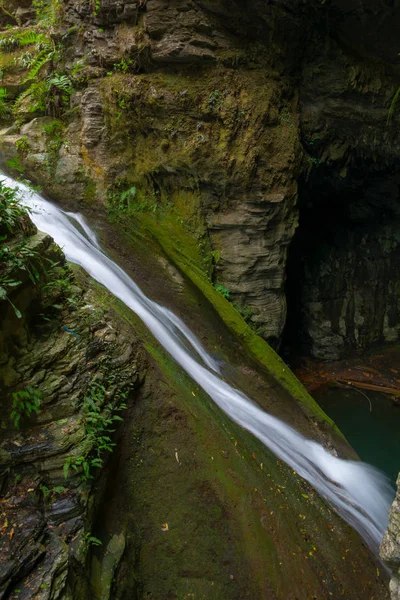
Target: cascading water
<point>359,493</point>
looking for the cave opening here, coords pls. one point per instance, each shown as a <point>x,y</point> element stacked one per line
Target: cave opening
<point>343,270</point>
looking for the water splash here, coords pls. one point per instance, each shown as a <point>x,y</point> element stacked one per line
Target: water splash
<point>360,493</point>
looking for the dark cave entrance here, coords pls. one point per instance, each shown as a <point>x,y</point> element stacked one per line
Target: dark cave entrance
<point>343,271</point>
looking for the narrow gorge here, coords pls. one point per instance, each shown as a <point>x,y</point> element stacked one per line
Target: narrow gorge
<point>195,195</point>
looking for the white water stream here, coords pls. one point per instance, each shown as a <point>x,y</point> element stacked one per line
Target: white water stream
<point>359,493</point>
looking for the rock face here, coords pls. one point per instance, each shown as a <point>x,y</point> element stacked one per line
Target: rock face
<point>349,297</point>
<point>188,110</point>
<point>343,292</point>
<point>219,110</point>
<point>70,355</point>
<point>390,547</point>
<point>186,503</point>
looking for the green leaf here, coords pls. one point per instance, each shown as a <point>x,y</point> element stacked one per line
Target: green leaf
<point>17,312</point>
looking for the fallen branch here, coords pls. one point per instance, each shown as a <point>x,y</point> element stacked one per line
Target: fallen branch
<point>352,385</point>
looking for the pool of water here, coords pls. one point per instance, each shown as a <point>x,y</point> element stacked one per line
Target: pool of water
<point>371,424</point>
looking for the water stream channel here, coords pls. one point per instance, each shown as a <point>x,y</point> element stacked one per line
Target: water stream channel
<point>360,493</point>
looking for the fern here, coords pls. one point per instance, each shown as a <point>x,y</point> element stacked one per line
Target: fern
<point>23,95</point>
<point>37,92</point>
<point>28,38</point>
<point>25,38</point>
<point>62,82</point>
<point>44,56</point>
<point>59,90</point>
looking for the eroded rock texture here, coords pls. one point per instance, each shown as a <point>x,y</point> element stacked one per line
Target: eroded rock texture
<point>211,110</point>
<point>217,109</point>
<point>78,361</point>
<point>390,547</point>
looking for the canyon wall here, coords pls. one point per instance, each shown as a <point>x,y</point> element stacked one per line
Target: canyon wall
<point>216,111</point>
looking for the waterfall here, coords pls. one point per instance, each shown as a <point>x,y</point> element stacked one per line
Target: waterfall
<point>359,493</point>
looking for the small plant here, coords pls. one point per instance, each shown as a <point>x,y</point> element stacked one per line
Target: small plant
<point>19,257</point>
<point>223,291</point>
<point>22,146</point>
<point>55,138</point>
<point>46,52</point>
<point>215,100</point>
<point>54,128</point>
<point>48,492</point>
<point>25,402</point>
<point>19,39</point>
<point>122,201</point>
<point>90,540</point>
<point>59,89</point>
<point>216,256</point>
<point>25,60</point>
<point>32,99</point>
<point>99,417</point>
<point>122,66</point>
<point>15,164</point>
<point>11,211</point>
<point>58,288</point>
<point>286,117</point>
<point>5,284</point>
<point>48,12</point>
<point>127,197</point>
<point>8,43</point>
<point>15,257</point>
<point>95,6</point>
<point>50,96</point>
<point>3,103</point>
<point>77,73</point>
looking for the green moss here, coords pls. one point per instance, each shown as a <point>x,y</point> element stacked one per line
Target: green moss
<point>174,116</point>
<point>89,193</point>
<point>229,512</point>
<point>231,507</point>
<point>183,249</point>
<point>257,546</point>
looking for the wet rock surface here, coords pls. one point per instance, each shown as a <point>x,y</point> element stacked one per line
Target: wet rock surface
<point>60,353</point>
<point>390,547</point>
<point>214,109</point>
<point>229,105</point>
<point>349,293</point>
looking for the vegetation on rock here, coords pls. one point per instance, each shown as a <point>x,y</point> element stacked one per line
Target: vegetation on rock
<point>190,124</point>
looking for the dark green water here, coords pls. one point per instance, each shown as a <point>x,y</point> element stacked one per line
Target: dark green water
<point>374,435</point>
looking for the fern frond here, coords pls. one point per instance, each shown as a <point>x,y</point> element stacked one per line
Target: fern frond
<point>44,56</point>
<point>62,82</point>
<point>23,95</point>
<point>31,37</point>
